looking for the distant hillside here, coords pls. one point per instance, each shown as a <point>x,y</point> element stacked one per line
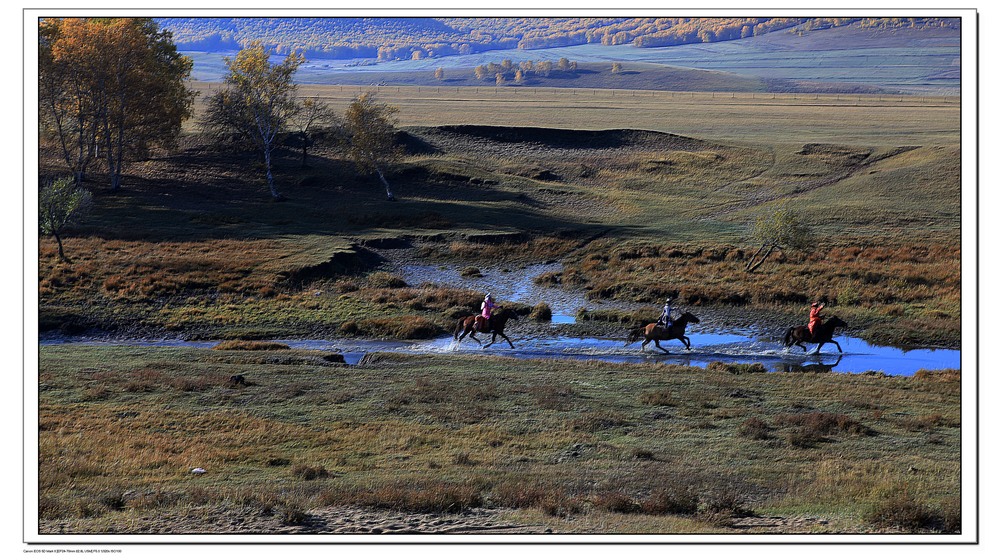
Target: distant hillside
<point>417,38</point>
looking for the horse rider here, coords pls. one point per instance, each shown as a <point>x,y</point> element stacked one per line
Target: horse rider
<point>665,318</point>
<point>815,319</point>
<point>487,307</point>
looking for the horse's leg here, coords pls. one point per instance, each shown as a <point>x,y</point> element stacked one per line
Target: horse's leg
<point>686,341</point>
<point>802,346</point>
<point>660,347</point>
<point>492,341</point>
<point>472,335</point>
<point>644,343</point>
<point>838,346</point>
<point>818,347</point>
<point>508,340</point>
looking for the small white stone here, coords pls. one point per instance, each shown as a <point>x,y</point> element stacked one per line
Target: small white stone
<point>198,470</point>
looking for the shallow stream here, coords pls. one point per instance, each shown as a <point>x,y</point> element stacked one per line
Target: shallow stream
<point>858,356</point>
<point>517,285</point>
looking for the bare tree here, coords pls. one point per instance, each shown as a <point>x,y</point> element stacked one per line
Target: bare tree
<point>370,130</point>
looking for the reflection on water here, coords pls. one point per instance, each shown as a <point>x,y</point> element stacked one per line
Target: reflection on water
<point>858,356</point>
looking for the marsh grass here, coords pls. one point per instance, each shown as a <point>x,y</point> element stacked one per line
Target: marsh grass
<point>446,433</point>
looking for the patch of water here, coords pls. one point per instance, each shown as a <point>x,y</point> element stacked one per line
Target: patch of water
<point>858,356</point>
<point>505,284</point>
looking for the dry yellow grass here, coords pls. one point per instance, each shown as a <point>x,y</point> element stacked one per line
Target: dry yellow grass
<point>778,118</point>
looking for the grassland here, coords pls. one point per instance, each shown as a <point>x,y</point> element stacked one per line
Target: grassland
<point>566,446</point>
<point>637,194</point>
<point>621,187</point>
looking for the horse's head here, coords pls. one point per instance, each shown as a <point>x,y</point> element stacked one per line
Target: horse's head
<point>688,318</point>
<point>506,313</point>
<point>835,322</point>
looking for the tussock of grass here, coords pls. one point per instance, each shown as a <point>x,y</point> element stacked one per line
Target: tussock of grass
<point>755,428</point>
<point>541,313</point>
<point>939,375</point>
<point>401,328</point>
<point>737,368</point>
<point>252,345</point>
<point>901,511</point>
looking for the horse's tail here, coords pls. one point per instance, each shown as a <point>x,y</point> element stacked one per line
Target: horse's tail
<point>635,334</point>
<point>788,336</point>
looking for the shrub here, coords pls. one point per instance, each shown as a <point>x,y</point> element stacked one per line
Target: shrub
<point>560,505</point>
<point>902,511</point>
<point>755,428</point>
<point>720,505</point>
<point>470,272</point>
<point>670,501</point>
<point>382,279</point>
<point>293,514</point>
<point>824,423</point>
<point>615,502</point>
<point>541,313</point>
<point>521,494</point>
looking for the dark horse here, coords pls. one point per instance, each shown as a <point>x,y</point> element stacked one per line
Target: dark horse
<point>824,334</point>
<point>499,318</point>
<point>656,333</point>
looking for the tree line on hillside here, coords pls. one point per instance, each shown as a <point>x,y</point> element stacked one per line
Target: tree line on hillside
<point>508,72</point>
<point>418,38</point>
<point>112,91</point>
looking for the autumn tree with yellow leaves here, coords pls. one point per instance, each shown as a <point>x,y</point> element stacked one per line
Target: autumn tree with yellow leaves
<point>110,89</point>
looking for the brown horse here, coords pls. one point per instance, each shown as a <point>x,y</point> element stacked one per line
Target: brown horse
<point>497,322</point>
<point>824,334</point>
<point>656,332</point>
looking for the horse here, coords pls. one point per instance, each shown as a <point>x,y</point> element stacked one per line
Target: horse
<point>656,332</point>
<point>824,334</point>
<point>497,322</point>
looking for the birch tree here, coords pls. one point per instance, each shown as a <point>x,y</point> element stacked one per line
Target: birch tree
<point>776,228</point>
<point>61,203</point>
<point>370,129</point>
<point>111,89</point>
<point>255,103</point>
